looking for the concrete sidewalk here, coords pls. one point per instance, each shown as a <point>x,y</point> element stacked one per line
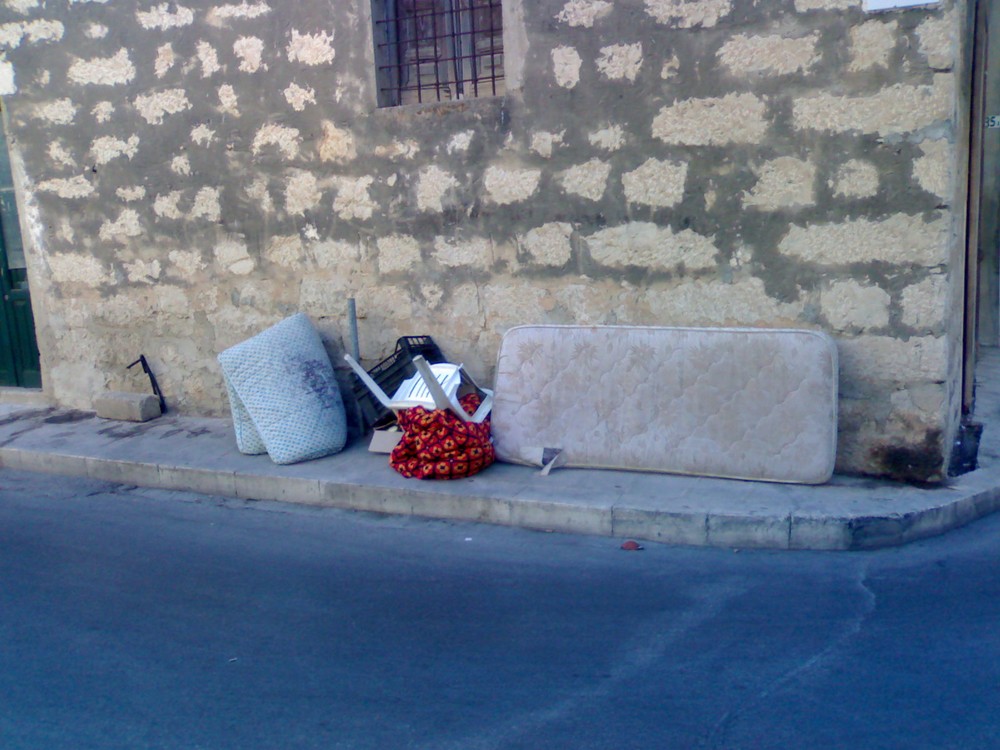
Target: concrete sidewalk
<point>197,454</point>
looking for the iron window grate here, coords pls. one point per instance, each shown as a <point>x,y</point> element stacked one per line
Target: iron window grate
<point>438,50</point>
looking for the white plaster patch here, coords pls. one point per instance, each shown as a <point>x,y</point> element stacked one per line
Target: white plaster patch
<point>107,147</point>
<point>162,17</point>
<point>21,6</point>
<point>566,62</point>
<point>353,200</point>
<point>298,97</point>
<point>712,122</point>
<point>686,14</point>
<point>154,107</point>
<point>59,154</point>
<point>872,44</point>
<point>11,35</point>
<point>473,253</point>
<point>769,55</point>
<point>855,179</point>
<point>310,232</point>
<point>250,50</point>
<point>588,180</point>
<point>186,263</point>
<point>227,100</point>
<point>433,184</point>
<point>895,109</point>
<point>311,49</point>
<point>259,192</point>
<point>165,206</point>
<point>656,183</point>
<point>131,193</point>
<point>123,228</point>
<point>286,139</point>
<point>543,142</point>
<point>549,244</point>
<point>898,239</point>
<point>714,303</point>
<point>647,245</point>
<point>104,71</point>
<point>670,68</point>
<point>804,6</point>
<point>58,112</point>
<point>397,253</point>
<point>209,59</point>
<point>217,16</point>
<point>337,144</point>
<point>165,59</point>
<point>333,254</point>
<point>398,150</point>
<point>143,271</point>
<point>785,182</point>
<point>584,12</point>
<point>460,142</point>
<point>96,31</point>
<point>232,255</point>
<point>206,204</point>
<point>39,30</point>
<point>925,303</point>
<point>285,251</point>
<point>851,305</point>
<point>80,269</point>
<point>8,85</point>
<point>202,135</point>
<point>181,165</point>
<point>65,231</point>
<point>621,61</point>
<point>103,112</point>
<point>933,170</point>
<point>301,193</point>
<point>939,41</point>
<point>610,139</point>
<point>510,185</point>
<point>68,188</point>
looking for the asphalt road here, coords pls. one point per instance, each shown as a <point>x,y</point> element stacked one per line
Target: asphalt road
<point>137,619</point>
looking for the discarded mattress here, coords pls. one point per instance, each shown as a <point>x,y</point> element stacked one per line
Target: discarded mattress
<point>727,402</point>
<point>283,394</point>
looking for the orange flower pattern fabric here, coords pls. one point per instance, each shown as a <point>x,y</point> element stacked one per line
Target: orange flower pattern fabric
<point>438,445</point>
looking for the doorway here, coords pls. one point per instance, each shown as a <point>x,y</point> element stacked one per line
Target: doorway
<point>19,362</point>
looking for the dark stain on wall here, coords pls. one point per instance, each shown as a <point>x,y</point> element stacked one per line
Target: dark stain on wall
<point>915,462</point>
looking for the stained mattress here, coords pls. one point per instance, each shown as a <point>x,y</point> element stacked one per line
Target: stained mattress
<point>742,403</point>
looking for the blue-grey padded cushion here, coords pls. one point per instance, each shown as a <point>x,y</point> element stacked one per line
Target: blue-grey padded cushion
<point>283,394</point>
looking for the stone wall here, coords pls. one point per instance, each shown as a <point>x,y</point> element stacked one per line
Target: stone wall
<point>193,172</point>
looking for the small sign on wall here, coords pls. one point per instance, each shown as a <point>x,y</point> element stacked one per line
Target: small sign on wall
<point>871,5</point>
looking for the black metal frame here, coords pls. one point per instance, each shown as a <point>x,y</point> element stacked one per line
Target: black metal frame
<point>435,50</point>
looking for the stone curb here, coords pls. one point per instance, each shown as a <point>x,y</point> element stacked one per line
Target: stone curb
<point>754,529</point>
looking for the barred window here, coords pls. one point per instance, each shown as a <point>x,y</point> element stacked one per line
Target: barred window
<point>437,50</point>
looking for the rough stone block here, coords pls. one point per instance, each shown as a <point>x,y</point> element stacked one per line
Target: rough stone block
<point>128,407</point>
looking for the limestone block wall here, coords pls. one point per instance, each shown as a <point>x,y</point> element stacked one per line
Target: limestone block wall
<point>191,172</point>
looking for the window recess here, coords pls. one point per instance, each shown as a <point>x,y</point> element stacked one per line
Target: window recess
<point>437,50</point>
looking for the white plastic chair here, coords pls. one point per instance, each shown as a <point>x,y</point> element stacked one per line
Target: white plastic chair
<point>434,386</point>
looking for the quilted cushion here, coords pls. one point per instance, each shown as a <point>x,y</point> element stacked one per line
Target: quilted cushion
<point>283,394</point>
<point>738,403</point>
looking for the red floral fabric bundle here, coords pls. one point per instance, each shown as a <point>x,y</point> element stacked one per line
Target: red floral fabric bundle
<point>438,445</point>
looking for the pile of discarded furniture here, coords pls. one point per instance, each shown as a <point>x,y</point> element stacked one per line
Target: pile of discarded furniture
<point>744,403</point>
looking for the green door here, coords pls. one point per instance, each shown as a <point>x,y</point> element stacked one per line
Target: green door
<point>18,348</point>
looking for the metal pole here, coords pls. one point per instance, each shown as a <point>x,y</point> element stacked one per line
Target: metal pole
<point>352,317</point>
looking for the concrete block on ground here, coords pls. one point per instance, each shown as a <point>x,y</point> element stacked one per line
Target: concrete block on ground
<point>127,407</point>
